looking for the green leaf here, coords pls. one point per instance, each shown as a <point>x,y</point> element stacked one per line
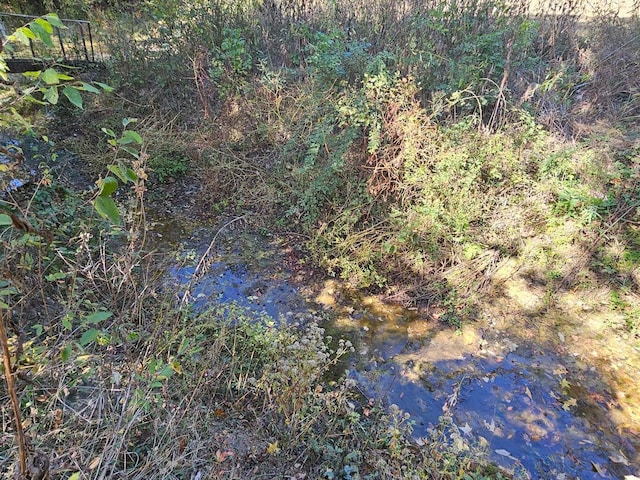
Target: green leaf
<point>42,33</point>
<point>35,74</point>
<point>5,220</point>
<point>44,24</point>
<point>131,175</point>
<point>50,76</point>
<point>65,353</point>
<point>73,95</point>
<point>131,151</point>
<point>51,95</point>
<point>54,20</point>
<point>54,277</point>
<point>120,170</point>
<point>165,373</point>
<point>89,88</point>
<point>23,34</point>
<point>134,136</point>
<point>124,140</point>
<point>65,77</point>
<point>108,185</point>
<point>152,366</point>
<point>106,207</point>
<point>66,321</point>
<point>109,132</point>
<point>96,317</point>
<point>127,174</point>
<point>104,86</point>
<point>89,336</point>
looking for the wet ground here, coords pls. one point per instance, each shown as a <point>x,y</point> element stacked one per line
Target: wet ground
<point>547,393</point>
<point>547,388</point>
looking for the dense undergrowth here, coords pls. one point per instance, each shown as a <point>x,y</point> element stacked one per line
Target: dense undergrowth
<point>414,145</point>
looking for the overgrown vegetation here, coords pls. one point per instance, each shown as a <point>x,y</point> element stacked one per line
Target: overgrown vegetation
<point>414,145</point>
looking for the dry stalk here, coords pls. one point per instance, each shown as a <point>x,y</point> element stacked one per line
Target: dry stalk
<point>15,403</point>
<point>202,80</point>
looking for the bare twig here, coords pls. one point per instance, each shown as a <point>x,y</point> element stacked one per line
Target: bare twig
<point>205,263</point>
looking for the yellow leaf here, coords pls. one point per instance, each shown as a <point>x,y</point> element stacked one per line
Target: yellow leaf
<point>273,448</point>
<point>176,367</point>
<point>572,402</point>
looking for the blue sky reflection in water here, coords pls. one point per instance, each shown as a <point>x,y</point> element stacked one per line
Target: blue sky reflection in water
<point>534,414</point>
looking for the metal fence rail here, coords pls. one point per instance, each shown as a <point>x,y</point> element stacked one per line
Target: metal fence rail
<point>73,45</point>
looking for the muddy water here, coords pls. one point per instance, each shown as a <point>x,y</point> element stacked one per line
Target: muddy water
<point>540,404</point>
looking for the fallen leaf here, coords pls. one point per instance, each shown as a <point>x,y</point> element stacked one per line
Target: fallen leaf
<point>273,448</point>
<point>560,370</point>
<point>572,402</point>
<point>561,476</point>
<point>564,384</point>
<point>528,392</point>
<point>94,463</point>
<point>222,456</point>
<point>597,468</point>
<point>619,459</point>
<point>505,453</point>
<point>490,426</point>
<point>561,337</point>
<point>466,429</point>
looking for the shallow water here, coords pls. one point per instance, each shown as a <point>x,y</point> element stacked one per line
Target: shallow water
<point>537,410</point>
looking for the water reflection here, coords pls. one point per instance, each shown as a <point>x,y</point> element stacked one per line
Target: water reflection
<point>538,412</point>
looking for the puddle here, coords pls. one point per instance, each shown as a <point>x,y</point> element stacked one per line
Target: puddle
<point>540,409</point>
<point>235,271</point>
